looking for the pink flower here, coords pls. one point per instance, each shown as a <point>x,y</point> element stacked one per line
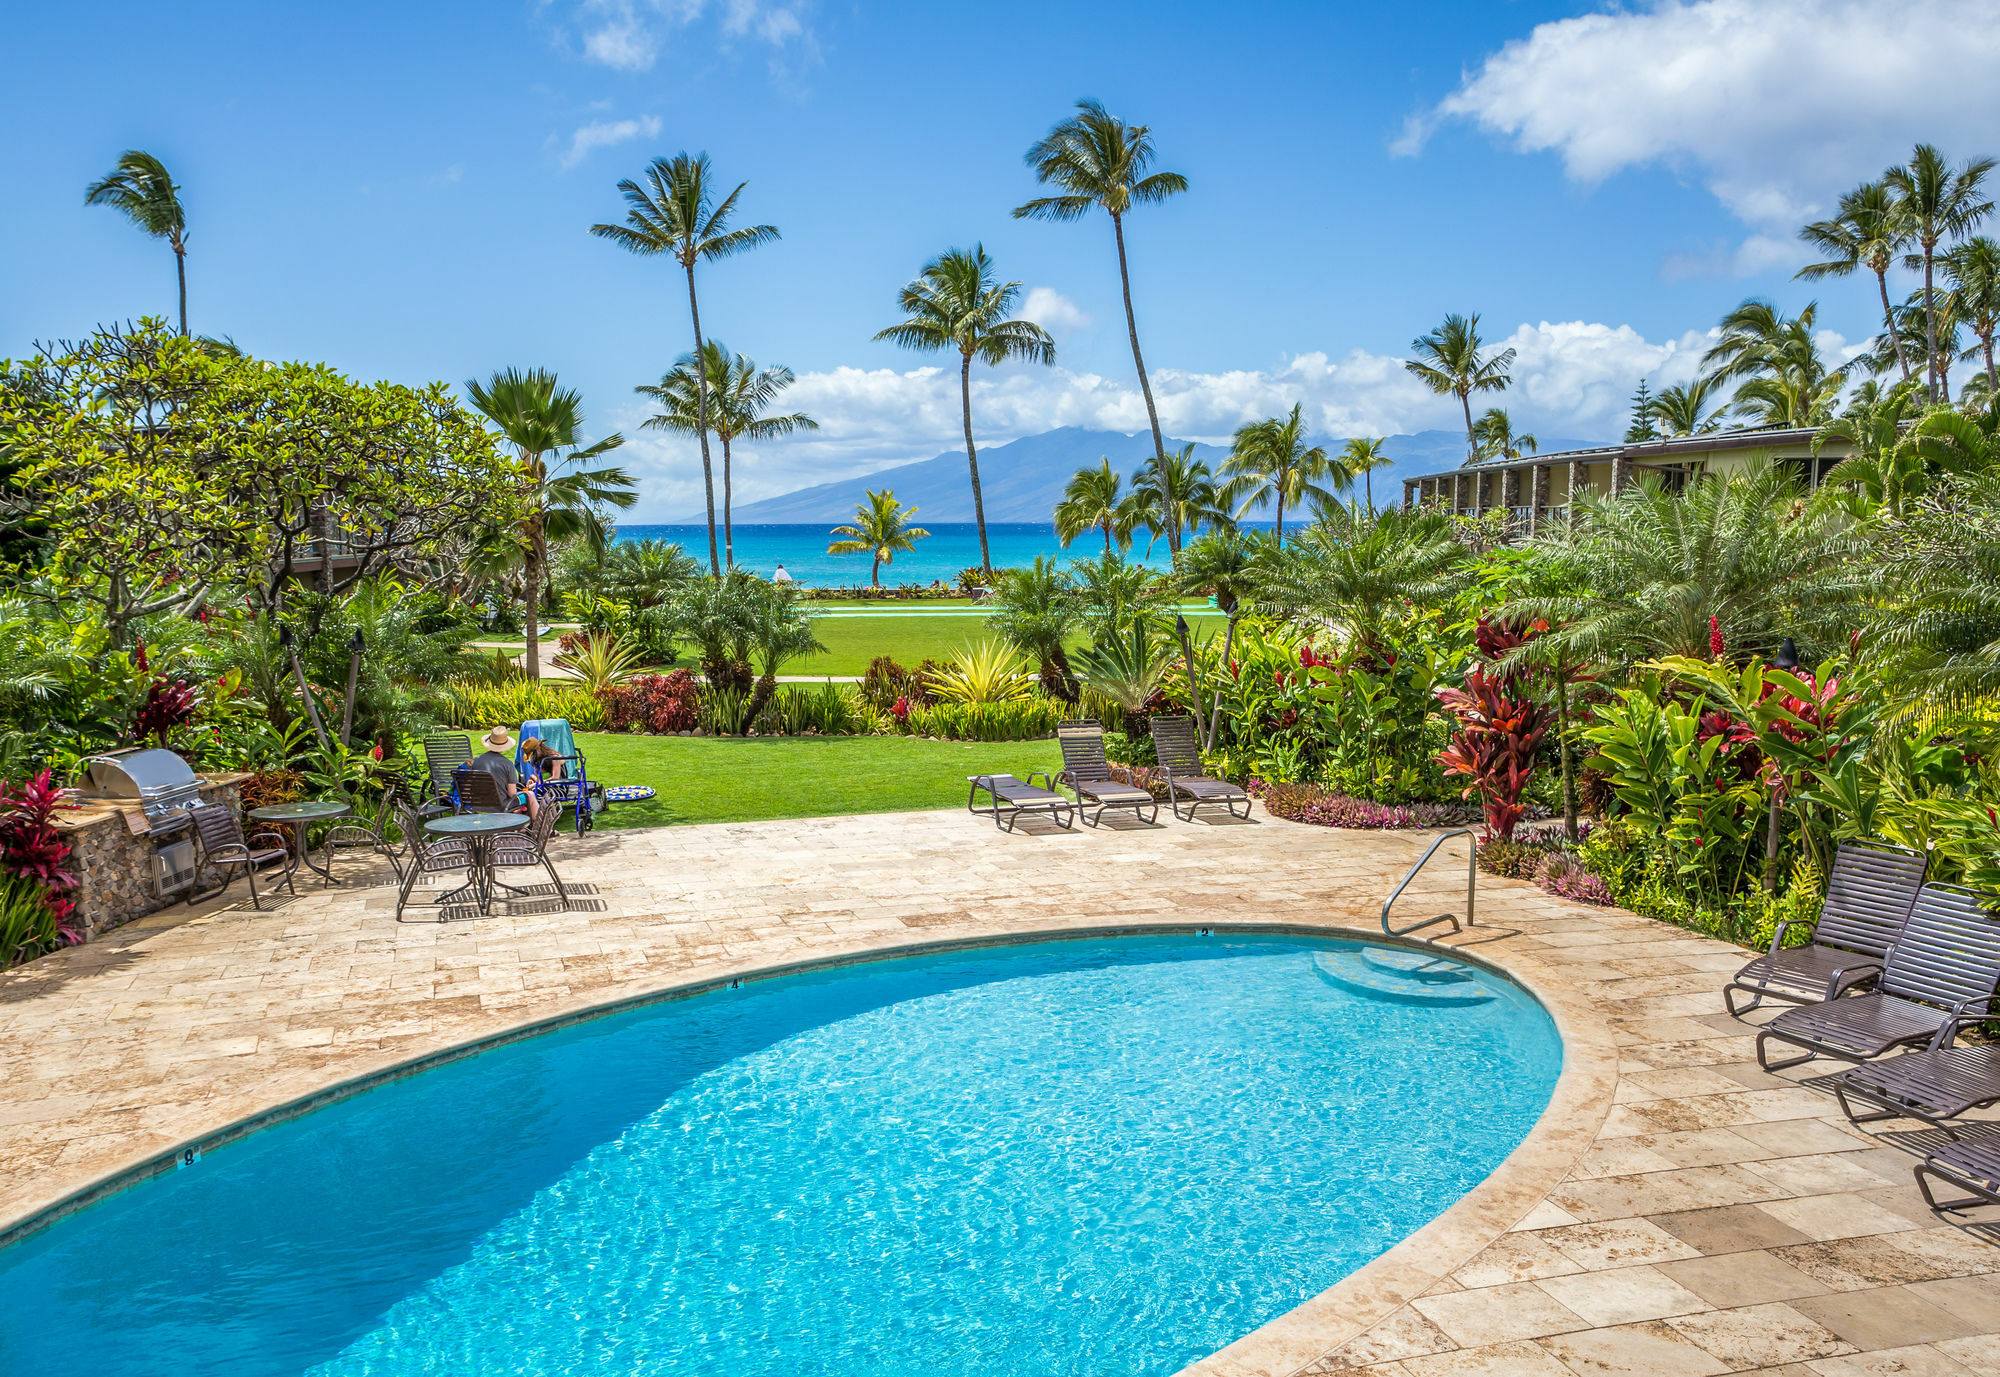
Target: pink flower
<point>1715,642</point>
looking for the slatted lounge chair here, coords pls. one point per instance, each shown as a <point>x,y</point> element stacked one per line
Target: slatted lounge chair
<point>1087,771</point>
<point>1868,900</point>
<point>224,846</point>
<point>1933,1085</point>
<point>443,754</point>
<point>1941,973</point>
<point>1179,754</point>
<point>1011,798</point>
<point>1971,1164</point>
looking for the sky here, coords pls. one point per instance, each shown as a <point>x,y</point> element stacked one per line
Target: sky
<point>405,192</point>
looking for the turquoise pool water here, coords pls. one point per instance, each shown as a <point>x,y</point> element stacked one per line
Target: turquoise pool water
<point>1076,1157</point>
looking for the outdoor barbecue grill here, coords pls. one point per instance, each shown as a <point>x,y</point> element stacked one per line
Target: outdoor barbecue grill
<point>165,787</point>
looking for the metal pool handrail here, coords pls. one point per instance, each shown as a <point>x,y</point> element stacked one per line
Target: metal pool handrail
<point>1471,887</point>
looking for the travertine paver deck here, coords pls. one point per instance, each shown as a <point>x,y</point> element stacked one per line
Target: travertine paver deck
<point>1703,1217</point>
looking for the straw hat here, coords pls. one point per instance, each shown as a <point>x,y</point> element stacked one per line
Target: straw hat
<point>499,739</point>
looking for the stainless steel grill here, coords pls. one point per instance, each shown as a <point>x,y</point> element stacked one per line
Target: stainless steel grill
<point>160,780</point>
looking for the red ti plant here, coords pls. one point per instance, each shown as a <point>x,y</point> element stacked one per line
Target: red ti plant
<point>1499,733</point>
<point>31,846</point>
<point>169,703</point>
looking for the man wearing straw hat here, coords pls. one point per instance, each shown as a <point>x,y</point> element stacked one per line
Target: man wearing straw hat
<point>498,760</point>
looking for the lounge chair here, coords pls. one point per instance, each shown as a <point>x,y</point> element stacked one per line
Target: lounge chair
<point>1932,1085</point>
<point>1941,973</point>
<point>223,846</point>
<point>1179,754</point>
<point>1971,1164</point>
<point>1868,900</point>
<point>1087,771</point>
<point>1011,798</point>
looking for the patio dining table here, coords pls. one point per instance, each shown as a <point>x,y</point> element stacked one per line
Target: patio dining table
<point>298,817</point>
<point>478,830</point>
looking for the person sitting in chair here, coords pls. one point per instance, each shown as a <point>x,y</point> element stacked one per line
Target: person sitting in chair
<point>544,764</point>
<point>498,760</point>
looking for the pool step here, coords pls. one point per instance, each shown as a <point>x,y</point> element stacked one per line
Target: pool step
<point>1400,977</point>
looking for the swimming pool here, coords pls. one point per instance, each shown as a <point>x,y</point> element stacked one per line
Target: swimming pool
<point>1068,1157</point>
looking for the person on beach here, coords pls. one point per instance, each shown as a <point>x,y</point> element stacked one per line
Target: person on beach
<point>781,576</point>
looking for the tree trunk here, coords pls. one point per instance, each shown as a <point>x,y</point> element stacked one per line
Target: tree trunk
<point>1368,482</point>
<point>875,574</point>
<point>1568,764</point>
<point>767,684</point>
<point>972,461</point>
<point>181,268</point>
<point>1471,445</point>
<point>1930,327</point>
<point>1072,692</point>
<point>531,659</point>
<point>1992,380</point>
<point>1281,516</point>
<point>728,533</point>
<point>1106,527</point>
<point>701,423</point>
<point>1139,362</point>
<point>1889,319</point>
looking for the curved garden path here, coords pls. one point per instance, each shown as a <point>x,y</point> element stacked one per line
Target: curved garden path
<point>1677,1211</point>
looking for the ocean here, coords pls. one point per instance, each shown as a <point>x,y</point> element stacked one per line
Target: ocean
<point>950,547</point>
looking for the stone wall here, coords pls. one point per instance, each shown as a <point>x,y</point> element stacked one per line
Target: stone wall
<point>114,866</point>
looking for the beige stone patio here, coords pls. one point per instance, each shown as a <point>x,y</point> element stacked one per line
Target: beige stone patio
<point>1676,1211</point>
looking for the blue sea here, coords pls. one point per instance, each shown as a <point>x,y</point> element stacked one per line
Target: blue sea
<point>950,547</point>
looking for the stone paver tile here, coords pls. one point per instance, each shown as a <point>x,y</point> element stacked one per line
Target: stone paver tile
<point>1818,1173</point>
<point>1981,1354</point>
<point>1651,1349</point>
<point>1791,1137</point>
<point>1519,1359</point>
<point>1405,1334</point>
<point>1704,1147</point>
<point>1761,1335</point>
<point>1825,1217</point>
<point>1624,1295</point>
<point>1495,1314</point>
<point>1516,1257</point>
<point>1921,1360</point>
<point>1749,1278</point>
<point>1975,1300</point>
<point>1731,1229</point>
<point>1916,1255</point>
<point>1888,1317</point>
<point>1688,1188</point>
<point>1546,1215</point>
<point>1617,1243</point>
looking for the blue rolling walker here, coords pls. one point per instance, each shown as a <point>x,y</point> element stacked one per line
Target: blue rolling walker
<point>574,791</point>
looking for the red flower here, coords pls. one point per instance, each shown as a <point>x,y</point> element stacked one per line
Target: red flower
<point>1715,642</point>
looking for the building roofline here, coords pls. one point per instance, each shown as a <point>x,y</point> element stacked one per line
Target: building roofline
<point>1747,437</point>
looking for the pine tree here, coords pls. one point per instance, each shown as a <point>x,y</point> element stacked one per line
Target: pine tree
<point>1642,427</point>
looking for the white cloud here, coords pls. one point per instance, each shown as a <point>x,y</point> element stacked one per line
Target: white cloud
<point>1775,107</point>
<point>629,35</point>
<point>1053,311</point>
<point>1571,378</point>
<point>606,134</point>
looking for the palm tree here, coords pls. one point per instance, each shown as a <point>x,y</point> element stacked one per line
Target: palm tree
<point>778,628</point>
<point>646,573</point>
<point>1232,567</point>
<point>1790,383</point>
<point>1687,410</point>
<point>956,304</point>
<point>1933,200</point>
<point>1175,497</point>
<point>1362,573</point>
<point>1867,231</point>
<point>140,187</point>
<point>739,394</point>
<point>1495,432</point>
<point>538,418</point>
<point>1270,461</point>
<point>674,213</point>
<point>1099,160</point>
<point>1973,270</point>
<point>1095,498</point>
<point>881,528</point>
<point>1036,611</point>
<point>1360,457</point>
<point>1450,361</point>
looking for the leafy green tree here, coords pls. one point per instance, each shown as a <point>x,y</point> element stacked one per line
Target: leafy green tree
<point>780,630</point>
<point>647,573</point>
<point>1176,497</point>
<point>1233,567</point>
<point>716,615</point>
<point>1688,409</point>
<point>1937,201</point>
<point>675,213</point>
<point>1270,461</point>
<point>1365,573</point>
<point>1452,361</point>
<point>1494,431</point>
<point>1973,271</point>
<point>1789,382</point>
<point>956,303</point>
<point>1868,231</point>
<point>1360,457</point>
<point>561,499</point>
<point>1884,473</point>
<point>741,396</point>
<point>1098,160</point>
<point>140,188</point>
<point>1942,630</point>
<point>881,528</point>
<point>1036,610</point>
<point>1095,499</point>
<point>1113,594</point>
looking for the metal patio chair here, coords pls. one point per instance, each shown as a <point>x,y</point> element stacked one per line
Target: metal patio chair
<point>1087,771</point>
<point>1179,754</point>
<point>1868,899</point>
<point>224,846</point>
<point>1012,797</point>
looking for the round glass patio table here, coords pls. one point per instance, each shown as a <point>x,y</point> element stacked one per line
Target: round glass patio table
<point>298,817</point>
<point>478,830</point>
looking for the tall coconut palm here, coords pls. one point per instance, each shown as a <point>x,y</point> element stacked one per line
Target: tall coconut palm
<point>1099,160</point>
<point>1937,201</point>
<point>1451,362</point>
<point>541,420</point>
<point>674,212</point>
<point>1497,438</point>
<point>881,528</point>
<point>957,304</point>
<point>1973,270</point>
<point>1095,499</point>
<point>1790,382</point>
<point>1689,409</point>
<point>140,188</point>
<point>740,396</point>
<point>1869,230</point>
<point>1270,461</point>
<point>1360,457</point>
<point>1175,498</point>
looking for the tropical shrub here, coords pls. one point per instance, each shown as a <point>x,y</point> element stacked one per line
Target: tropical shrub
<point>29,926</point>
<point>1499,734</point>
<point>1324,807</point>
<point>1023,719</point>
<point>603,661</point>
<point>478,705</point>
<point>987,672</point>
<point>723,712</point>
<point>33,851</point>
<point>657,703</point>
<point>817,710</point>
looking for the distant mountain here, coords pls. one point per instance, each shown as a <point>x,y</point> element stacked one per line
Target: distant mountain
<point>1024,479</point>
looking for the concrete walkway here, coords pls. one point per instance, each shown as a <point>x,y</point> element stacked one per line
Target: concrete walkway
<point>1677,1211</point>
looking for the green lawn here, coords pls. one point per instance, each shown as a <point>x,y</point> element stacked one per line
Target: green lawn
<point>709,779</point>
